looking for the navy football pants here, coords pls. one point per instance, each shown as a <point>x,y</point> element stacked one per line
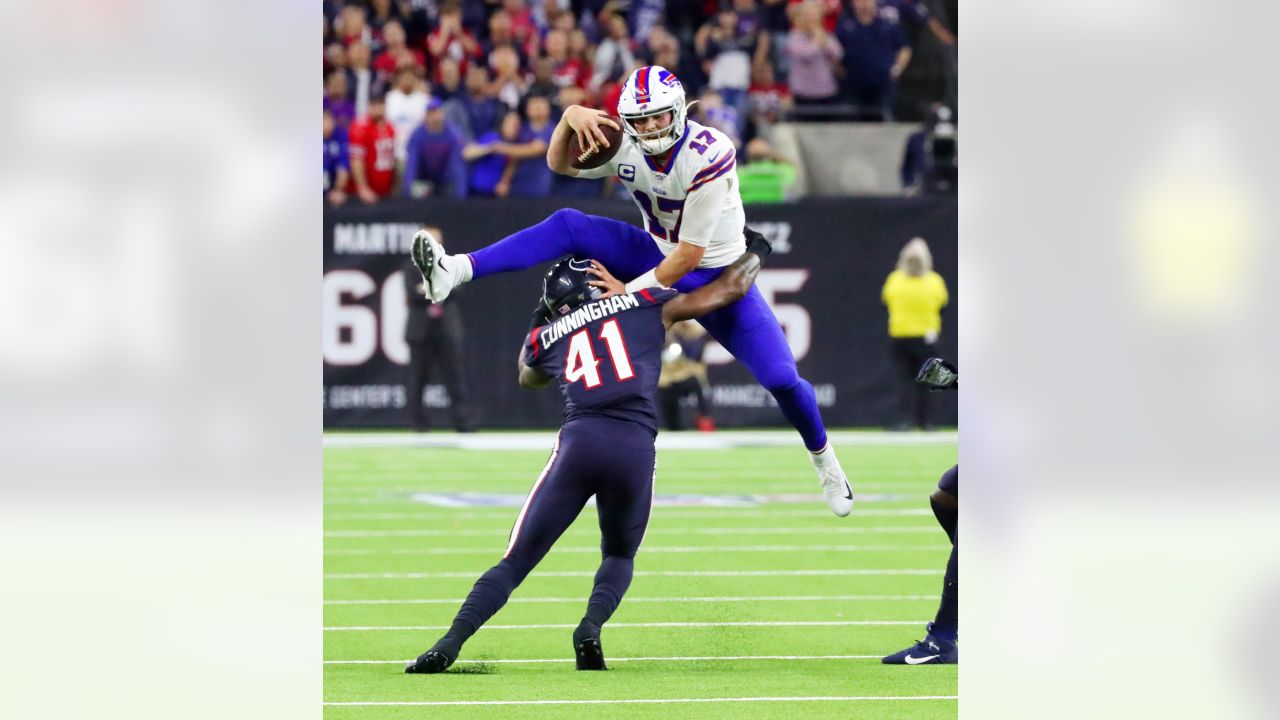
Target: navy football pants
<point>610,459</point>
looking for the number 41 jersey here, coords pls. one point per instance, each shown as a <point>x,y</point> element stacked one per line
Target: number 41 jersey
<point>606,356</point>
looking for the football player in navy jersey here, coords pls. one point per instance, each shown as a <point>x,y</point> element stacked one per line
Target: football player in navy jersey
<point>606,354</point>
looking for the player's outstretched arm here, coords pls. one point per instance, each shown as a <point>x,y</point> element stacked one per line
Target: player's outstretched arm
<point>730,287</point>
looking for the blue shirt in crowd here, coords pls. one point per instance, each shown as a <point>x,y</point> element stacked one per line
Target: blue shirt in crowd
<point>533,177</point>
<point>869,52</point>
<point>435,157</point>
<point>335,157</point>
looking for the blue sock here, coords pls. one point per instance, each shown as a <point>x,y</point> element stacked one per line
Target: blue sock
<point>799,406</point>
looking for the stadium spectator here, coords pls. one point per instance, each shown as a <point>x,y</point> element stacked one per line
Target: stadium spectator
<point>543,83</point>
<point>337,99</point>
<point>434,333</point>
<point>565,69</point>
<point>502,35</point>
<point>337,164</point>
<point>684,374</point>
<point>383,13</point>
<point>480,110</point>
<point>335,58</point>
<point>532,177</point>
<point>509,83</point>
<point>828,10</point>
<point>564,22</point>
<point>914,16</point>
<point>396,53</point>
<point>451,40</point>
<point>360,77</point>
<point>614,57</point>
<point>914,295</point>
<point>767,176</point>
<point>728,44</point>
<point>712,111</point>
<point>929,158</point>
<point>351,25</point>
<point>522,26</point>
<point>769,101</point>
<point>662,49</point>
<point>406,104</point>
<point>372,146</point>
<point>433,158</point>
<point>875,56</point>
<point>812,54</point>
<point>450,84</point>
<point>643,16</point>
<point>491,169</point>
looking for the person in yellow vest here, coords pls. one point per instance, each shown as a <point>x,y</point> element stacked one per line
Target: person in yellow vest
<point>914,295</point>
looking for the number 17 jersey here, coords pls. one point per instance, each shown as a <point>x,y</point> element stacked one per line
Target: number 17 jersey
<point>692,197</point>
<point>606,356</point>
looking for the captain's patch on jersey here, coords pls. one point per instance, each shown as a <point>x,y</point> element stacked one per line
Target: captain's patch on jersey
<point>627,172</point>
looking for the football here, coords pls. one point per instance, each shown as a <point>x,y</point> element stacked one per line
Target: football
<point>583,159</point>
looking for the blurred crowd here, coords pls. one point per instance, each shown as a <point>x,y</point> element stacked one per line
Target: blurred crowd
<point>459,97</point>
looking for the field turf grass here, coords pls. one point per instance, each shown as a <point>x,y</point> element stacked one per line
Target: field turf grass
<point>397,569</point>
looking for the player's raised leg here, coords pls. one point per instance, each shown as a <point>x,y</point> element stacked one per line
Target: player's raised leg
<point>625,249</point>
<point>553,504</point>
<point>624,499</point>
<point>749,330</point>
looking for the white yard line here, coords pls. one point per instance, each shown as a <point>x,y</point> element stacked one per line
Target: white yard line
<point>621,625</point>
<point>639,573</point>
<point>698,658</point>
<point>668,512</point>
<point>630,600</point>
<point>666,441</point>
<point>503,531</point>
<point>833,698</point>
<point>595,549</point>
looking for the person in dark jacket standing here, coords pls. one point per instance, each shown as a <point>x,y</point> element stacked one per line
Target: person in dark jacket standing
<point>434,333</point>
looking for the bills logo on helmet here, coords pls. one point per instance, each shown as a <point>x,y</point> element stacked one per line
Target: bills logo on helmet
<point>667,78</point>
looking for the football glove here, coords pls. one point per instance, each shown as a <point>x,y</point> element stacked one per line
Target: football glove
<point>938,374</point>
<point>757,243</point>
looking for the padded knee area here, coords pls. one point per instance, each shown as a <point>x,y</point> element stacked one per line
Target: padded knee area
<point>779,377</point>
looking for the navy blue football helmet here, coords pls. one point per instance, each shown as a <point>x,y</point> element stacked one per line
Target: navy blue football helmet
<point>566,286</point>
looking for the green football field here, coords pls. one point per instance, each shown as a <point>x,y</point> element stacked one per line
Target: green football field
<point>750,599</point>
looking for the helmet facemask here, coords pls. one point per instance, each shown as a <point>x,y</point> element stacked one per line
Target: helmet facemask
<point>656,142</point>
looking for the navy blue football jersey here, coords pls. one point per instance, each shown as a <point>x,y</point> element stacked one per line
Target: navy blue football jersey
<point>606,356</point>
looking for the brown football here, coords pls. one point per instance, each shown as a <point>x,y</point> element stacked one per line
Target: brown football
<point>584,159</point>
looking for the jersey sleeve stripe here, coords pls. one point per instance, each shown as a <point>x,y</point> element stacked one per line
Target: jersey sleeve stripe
<point>717,165</point>
<point>647,296</point>
<point>533,341</point>
<point>699,183</point>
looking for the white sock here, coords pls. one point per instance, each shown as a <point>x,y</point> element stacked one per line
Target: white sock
<point>825,456</point>
<point>462,267</point>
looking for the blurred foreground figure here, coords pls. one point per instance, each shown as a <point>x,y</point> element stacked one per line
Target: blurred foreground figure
<point>939,646</point>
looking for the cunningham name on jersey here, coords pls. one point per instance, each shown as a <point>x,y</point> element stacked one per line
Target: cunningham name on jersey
<point>583,315</point>
<point>693,195</point>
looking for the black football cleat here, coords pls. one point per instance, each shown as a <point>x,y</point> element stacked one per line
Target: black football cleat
<point>589,654</point>
<point>929,651</point>
<point>429,663</point>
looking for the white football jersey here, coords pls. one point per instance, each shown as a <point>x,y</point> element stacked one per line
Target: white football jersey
<point>693,197</point>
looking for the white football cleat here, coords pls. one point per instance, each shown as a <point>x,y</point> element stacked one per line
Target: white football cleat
<point>835,486</point>
<point>440,272</point>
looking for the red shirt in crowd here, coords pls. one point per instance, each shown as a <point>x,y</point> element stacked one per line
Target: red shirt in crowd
<point>375,145</point>
<point>571,72</point>
<point>768,101</point>
<point>462,48</point>
<point>387,63</point>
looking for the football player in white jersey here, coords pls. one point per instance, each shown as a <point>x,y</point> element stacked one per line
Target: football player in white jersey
<point>682,176</point>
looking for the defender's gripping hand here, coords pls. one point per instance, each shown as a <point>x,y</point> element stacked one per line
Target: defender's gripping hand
<point>757,243</point>
<point>938,374</point>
